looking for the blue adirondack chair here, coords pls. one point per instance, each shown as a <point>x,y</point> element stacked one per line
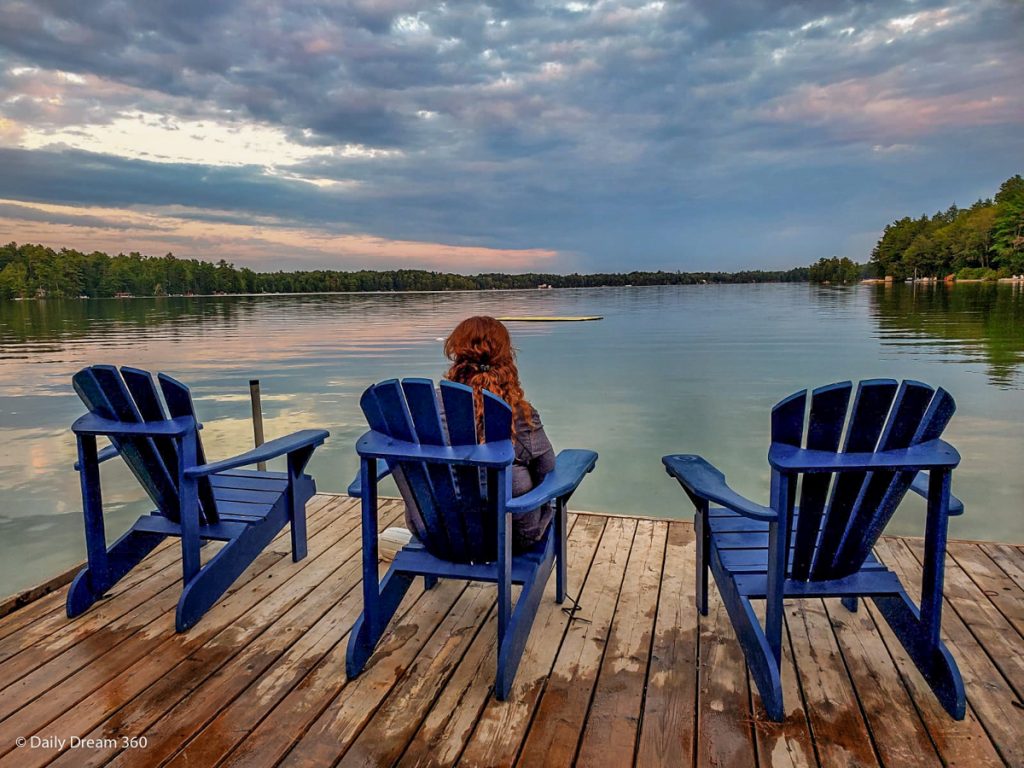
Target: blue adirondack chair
<point>195,500</point>
<point>823,546</point>
<point>463,489</point>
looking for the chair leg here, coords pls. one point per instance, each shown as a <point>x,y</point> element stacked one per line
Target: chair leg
<point>512,644</point>
<point>429,582</point>
<point>760,657</point>
<point>561,529</point>
<point>216,577</point>
<point>933,659</point>
<point>703,533</point>
<point>296,507</point>
<point>850,603</point>
<point>370,625</point>
<point>124,554</point>
<point>920,630</point>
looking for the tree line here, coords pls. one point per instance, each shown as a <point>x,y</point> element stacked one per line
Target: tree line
<point>31,270</point>
<point>983,241</point>
<point>836,271</point>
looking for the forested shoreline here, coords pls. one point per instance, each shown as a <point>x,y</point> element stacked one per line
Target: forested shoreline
<point>984,241</point>
<point>36,271</point>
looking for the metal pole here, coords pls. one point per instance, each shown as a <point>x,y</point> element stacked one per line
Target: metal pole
<point>257,418</point>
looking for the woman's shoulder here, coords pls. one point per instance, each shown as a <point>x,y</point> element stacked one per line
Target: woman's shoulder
<point>531,422</point>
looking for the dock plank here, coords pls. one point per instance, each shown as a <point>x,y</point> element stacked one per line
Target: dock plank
<point>635,677</point>
<point>895,724</point>
<point>443,735</point>
<point>194,692</point>
<point>561,713</point>
<point>233,721</point>
<point>840,732</point>
<point>999,711</point>
<point>986,622</point>
<point>441,611</point>
<point>274,736</point>
<point>997,585</point>
<point>788,744</point>
<point>612,725</point>
<point>1009,558</point>
<point>669,719</point>
<point>724,721</point>
<point>146,655</point>
<point>502,726</point>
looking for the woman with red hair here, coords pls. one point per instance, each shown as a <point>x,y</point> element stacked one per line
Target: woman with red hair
<point>482,357</point>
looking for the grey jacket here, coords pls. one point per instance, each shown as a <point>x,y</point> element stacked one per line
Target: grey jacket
<point>535,458</point>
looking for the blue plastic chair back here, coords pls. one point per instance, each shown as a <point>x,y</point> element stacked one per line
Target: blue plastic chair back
<point>130,396</point>
<point>450,513</point>
<point>841,516</point>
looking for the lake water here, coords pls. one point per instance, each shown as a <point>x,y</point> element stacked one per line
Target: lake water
<point>691,369</point>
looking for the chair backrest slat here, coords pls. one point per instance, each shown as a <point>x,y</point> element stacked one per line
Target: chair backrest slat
<point>787,429</point>
<point>824,431</point>
<point>179,403</point>
<point>460,417</point>
<point>872,522</point>
<point>910,405</point>
<point>105,394</point>
<point>398,424</point>
<point>426,418</point>
<point>140,385</point>
<point>835,531</point>
<point>371,410</point>
<point>867,419</point>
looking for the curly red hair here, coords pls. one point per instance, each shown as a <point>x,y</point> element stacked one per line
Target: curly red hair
<point>482,356</point>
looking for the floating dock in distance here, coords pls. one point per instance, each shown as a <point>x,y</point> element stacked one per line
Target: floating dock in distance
<point>543,319</point>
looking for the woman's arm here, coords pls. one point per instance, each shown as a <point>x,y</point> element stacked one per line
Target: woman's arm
<point>539,453</point>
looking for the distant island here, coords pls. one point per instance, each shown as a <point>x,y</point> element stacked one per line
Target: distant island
<point>36,271</point>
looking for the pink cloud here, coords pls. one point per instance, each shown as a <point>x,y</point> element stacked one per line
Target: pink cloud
<point>871,109</point>
<point>260,245</point>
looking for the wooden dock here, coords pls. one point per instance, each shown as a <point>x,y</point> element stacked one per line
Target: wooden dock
<point>632,678</point>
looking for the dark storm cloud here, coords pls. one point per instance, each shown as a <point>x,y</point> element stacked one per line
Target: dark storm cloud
<point>655,134</point>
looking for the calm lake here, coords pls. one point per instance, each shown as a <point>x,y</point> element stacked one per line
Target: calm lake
<point>691,369</point>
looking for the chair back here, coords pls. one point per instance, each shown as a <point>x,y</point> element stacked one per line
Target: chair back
<point>448,505</point>
<point>130,396</point>
<point>841,515</point>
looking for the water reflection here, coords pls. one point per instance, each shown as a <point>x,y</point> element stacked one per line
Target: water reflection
<point>974,321</point>
<point>674,369</point>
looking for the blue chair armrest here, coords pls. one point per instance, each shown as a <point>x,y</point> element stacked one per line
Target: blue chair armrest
<point>106,453</point>
<point>700,480</point>
<point>571,465</point>
<point>920,487</point>
<point>355,488</point>
<point>91,424</point>
<point>307,438</point>
<point>937,454</point>
<point>487,455</point>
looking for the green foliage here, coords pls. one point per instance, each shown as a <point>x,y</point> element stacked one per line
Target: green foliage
<point>977,273</point>
<point>988,235</point>
<point>13,281</point>
<point>34,270</point>
<point>1008,224</point>
<point>835,271</point>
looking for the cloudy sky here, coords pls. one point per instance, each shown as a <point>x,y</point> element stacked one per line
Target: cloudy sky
<point>507,135</point>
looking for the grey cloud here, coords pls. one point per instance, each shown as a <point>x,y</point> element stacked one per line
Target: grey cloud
<point>675,137</point>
